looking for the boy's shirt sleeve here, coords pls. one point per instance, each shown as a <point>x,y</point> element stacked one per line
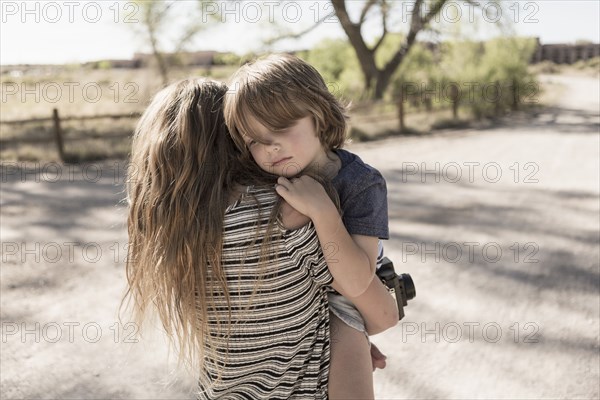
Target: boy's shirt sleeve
<point>365,211</point>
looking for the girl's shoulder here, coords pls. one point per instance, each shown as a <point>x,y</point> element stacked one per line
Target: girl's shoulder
<point>253,197</point>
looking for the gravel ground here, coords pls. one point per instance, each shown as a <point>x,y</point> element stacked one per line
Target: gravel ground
<point>499,229</point>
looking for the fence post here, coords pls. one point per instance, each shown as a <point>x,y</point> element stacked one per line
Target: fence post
<point>515,94</point>
<point>454,100</point>
<point>401,108</point>
<point>498,106</point>
<point>58,135</point>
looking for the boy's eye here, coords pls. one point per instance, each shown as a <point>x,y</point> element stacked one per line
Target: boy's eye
<point>251,143</point>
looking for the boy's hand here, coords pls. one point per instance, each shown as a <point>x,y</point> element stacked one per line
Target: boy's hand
<point>377,358</point>
<point>292,218</point>
<point>304,194</point>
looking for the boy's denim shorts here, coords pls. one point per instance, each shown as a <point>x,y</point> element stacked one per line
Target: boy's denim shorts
<point>345,310</point>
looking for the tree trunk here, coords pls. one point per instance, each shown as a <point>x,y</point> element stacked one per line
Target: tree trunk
<point>365,56</point>
<point>454,97</point>
<point>162,67</point>
<point>160,60</point>
<point>382,82</point>
<point>381,78</point>
<point>152,18</point>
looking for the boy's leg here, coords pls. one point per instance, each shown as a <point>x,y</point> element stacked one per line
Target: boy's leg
<point>377,357</point>
<point>350,369</point>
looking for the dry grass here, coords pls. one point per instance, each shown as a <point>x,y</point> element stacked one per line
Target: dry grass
<point>83,92</point>
<point>78,92</point>
<point>589,68</point>
<point>380,123</point>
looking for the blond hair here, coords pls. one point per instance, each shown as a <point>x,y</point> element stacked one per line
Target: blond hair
<point>279,90</point>
<point>184,171</point>
<point>184,167</point>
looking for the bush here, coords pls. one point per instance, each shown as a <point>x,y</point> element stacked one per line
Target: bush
<point>591,64</point>
<point>493,76</point>
<point>546,67</point>
<point>488,78</point>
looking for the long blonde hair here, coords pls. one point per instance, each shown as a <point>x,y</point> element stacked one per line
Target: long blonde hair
<point>183,170</point>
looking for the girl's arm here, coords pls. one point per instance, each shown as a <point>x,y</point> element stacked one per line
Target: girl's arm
<point>351,259</point>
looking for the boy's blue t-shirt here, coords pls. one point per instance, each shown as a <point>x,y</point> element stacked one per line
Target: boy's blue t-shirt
<point>363,196</point>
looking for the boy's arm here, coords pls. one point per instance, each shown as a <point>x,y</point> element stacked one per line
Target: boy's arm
<point>349,270</point>
<point>349,264</point>
<point>377,307</point>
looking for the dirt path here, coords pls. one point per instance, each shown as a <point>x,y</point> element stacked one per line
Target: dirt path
<point>505,258</point>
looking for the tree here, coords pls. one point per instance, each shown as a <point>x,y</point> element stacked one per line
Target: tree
<point>156,14</point>
<point>377,74</point>
<point>377,78</point>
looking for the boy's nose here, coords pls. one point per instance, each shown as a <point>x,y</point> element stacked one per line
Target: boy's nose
<point>273,147</point>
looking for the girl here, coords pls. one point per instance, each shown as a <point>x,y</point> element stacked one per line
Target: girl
<point>283,117</point>
<point>241,291</point>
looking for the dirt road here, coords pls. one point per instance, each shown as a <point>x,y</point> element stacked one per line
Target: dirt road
<point>499,229</point>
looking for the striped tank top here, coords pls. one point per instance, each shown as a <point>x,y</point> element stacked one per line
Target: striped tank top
<point>278,346</point>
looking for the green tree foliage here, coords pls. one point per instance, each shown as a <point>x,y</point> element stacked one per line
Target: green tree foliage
<point>486,78</point>
<point>417,76</point>
<point>337,63</point>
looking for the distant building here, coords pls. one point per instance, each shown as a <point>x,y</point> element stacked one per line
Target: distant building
<point>199,58</point>
<point>188,59</point>
<point>125,63</point>
<point>565,53</point>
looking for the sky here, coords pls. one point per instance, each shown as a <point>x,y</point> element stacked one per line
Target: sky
<point>57,32</point>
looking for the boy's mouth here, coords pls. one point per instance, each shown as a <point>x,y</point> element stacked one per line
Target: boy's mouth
<point>280,162</point>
